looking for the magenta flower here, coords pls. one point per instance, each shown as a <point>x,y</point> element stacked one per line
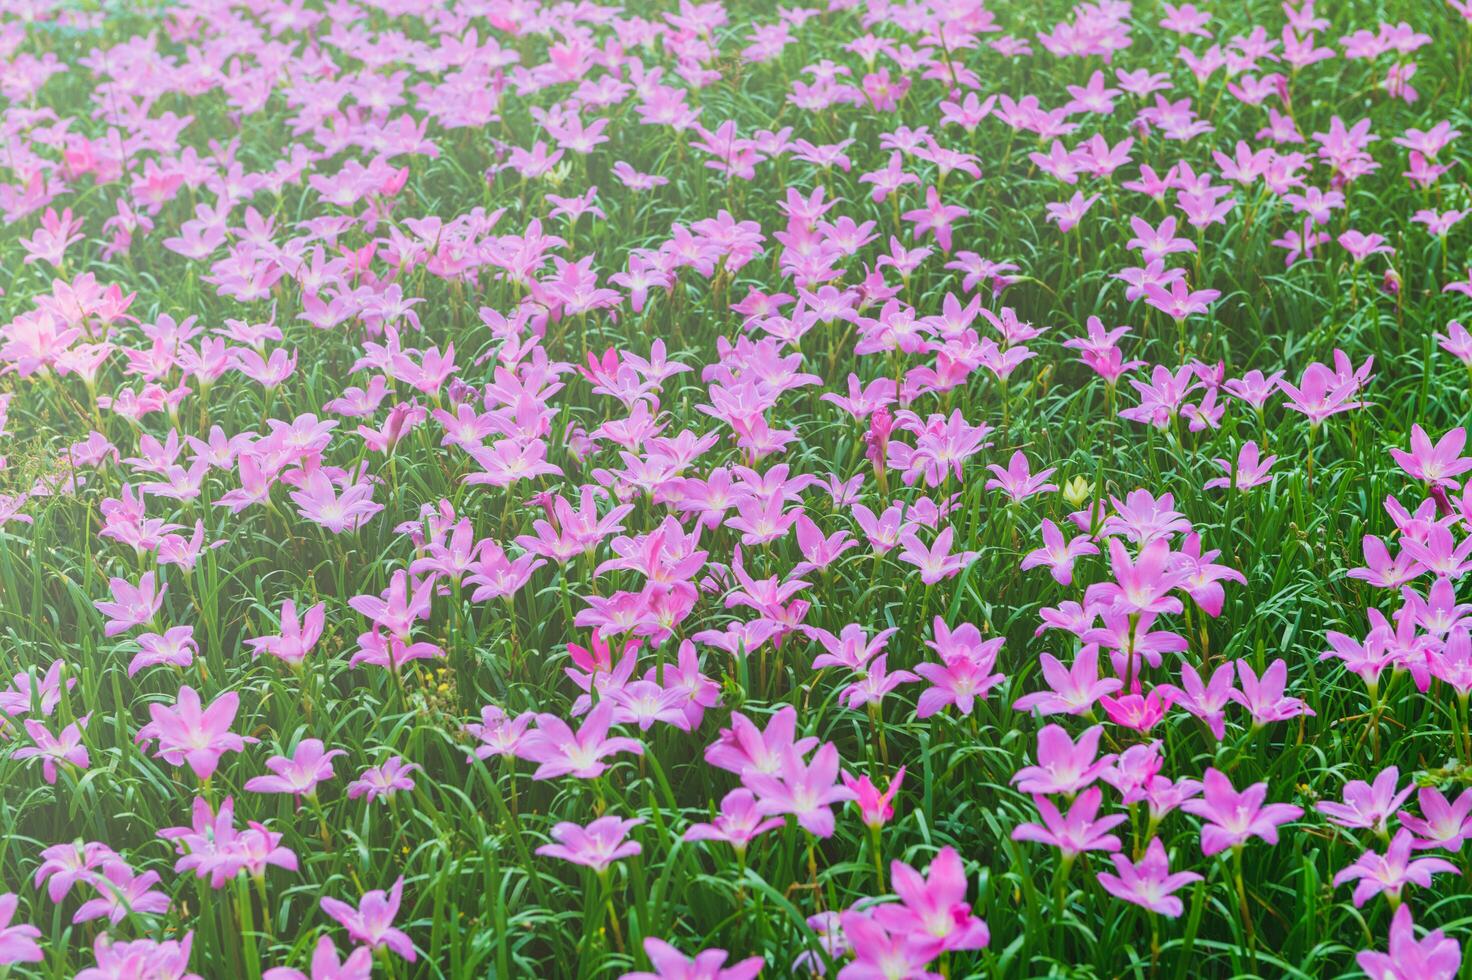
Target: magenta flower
<point>297,636</point>
<point>193,735</point>
<point>371,923</point>
<point>327,966</point>
<point>670,964</point>
<point>1063,765</point>
<point>1437,464</point>
<point>17,942</point>
<point>596,846</point>
<point>1390,872</point>
<point>1434,957</point>
<point>1148,883</point>
<point>1076,833</point>
<point>382,782</point>
<point>51,749</point>
<point>299,773</point>
<point>738,823</point>
<point>1071,690</point>
<point>875,808</point>
<point>121,893</point>
<point>805,790</point>
<point>559,751</point>
<point>1441,824</point>
<point>140,958</point>
<point>1232,817</point>
<point>933,910</point>
<point>1368,806</point>
<point>131,605</point>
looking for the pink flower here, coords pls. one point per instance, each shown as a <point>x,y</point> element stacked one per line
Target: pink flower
<point>121,893</point>
<point>371,923</point>
<point>1232,817</point>
<point>1063,765</point>
<point>63,865</point>
<point>879,953</point>
<point>1071,690</point>
<point>1141,585</point>
<point>1441,824</point>
<point>958,681</point>
<point>1069,213</point>
<point>875,681</point>
<point>738,824</point>
<point>596,846</point>
<point>805,790</point>
<point>382,782</point>
<point>17,942</point>
<point>327,966</point>
<point>213,848</point>
<point>1207,701</point>
<point>933,910</point>
<point>1392,871</point>
<point>1435,464</point>
<point>1250,470</point>
<point>1076,833</point>
<point>297,636</point>
<point>670,964</point>
<point>1263,697</point>
<point>1138,712</point>
<point>1434,957</point>
<point>559,751</point>
<point>875,808</point>
<point>140,958</point>
<point>1017,481</point>
<point>935,562</point>
<point>497,733</point>
<point>193,735</point>
<point>744,748</point>
<point>51,749</point>
<point>936,217</point>
<point>1367,806</point>
<point>1180,302</point>
<point>175,646</point>
<point>131,605</point>
<point>298,773</point>
<point>1148,883</point>
<point>1058,553</point>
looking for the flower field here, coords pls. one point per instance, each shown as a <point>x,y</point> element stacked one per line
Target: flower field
<point>703,490</point>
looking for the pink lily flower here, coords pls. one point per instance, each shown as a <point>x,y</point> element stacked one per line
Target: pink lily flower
<point>371,922</point>
<point>1148,882</point>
